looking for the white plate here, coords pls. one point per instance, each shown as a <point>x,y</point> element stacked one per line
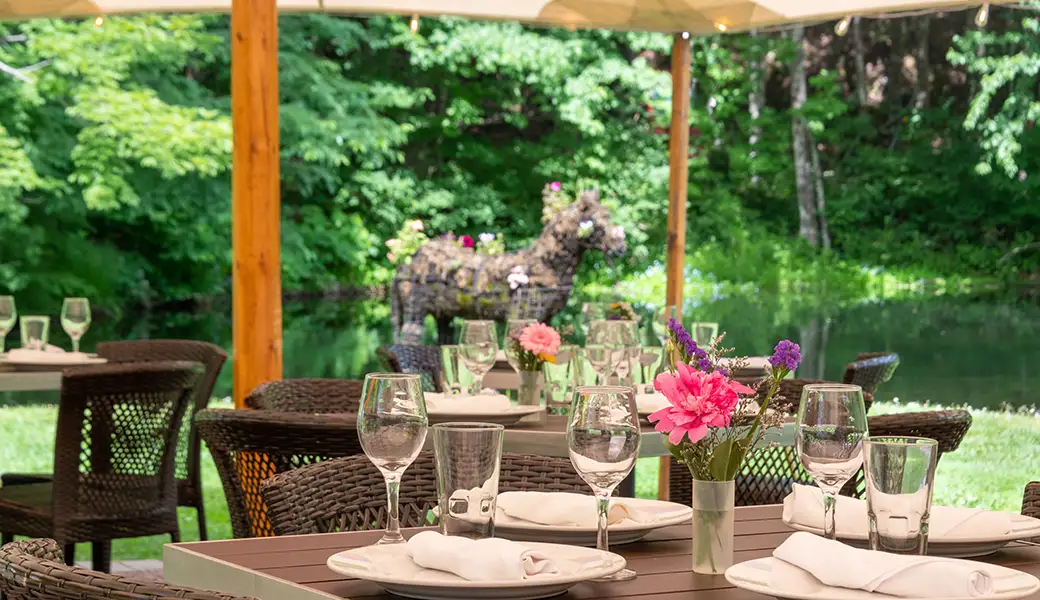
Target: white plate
<point>754,575</point>
<point>1022,528</point>
<point>52,360</point>
<point>369,563</point>
<point>507,417</point>
<point>665,514</point>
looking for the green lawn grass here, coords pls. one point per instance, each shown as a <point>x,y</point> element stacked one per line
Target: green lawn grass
<point>995,461</point>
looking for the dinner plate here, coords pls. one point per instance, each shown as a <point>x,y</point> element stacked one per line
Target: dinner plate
<point>507,417</point>
<point>1022,528</point>
<point>392,569</point>
<point>755,575</point>
<point>664,514</point>
<point>51,361</point>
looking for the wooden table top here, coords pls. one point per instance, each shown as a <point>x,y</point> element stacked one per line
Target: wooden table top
<point>293,568</point>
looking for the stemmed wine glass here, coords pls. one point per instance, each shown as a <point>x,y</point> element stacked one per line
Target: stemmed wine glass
<point>392,427</point>
<point>603,443</point>
<point>660,322</point>
<point>75,319</point>
<point>832,423</point>
<point>478,346</point>
<point>8,317</point>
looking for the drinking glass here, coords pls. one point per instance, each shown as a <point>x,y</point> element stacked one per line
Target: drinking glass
<point>75,319</point>
<point>660,322</point>
<point>592,311</point>
<point>8,317</point>
<point>456,378</point>
<point>829,432</point>
<point>900,473</point>
<point>704,333</point>
<point>603,443</point>
<point>651,361</point>
<point>599,358</point>
<point>34,331</point>
<point>392,426</point>
<point>478,344</point>
<point>469,456</point>
<point>559,380</point>
<point>515,327</point>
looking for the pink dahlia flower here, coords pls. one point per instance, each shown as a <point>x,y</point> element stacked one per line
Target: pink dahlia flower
<point>539,338</point>
<point>698,400</point>
<point>467,242</point>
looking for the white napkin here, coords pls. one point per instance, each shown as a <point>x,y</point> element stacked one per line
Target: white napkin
<point>491,559</point>
<point>650,403</point>
<point>484,403</point>
<point>804,506</point>
<point>838,565</point>
<point>50,355</point>
<point>565,509</point>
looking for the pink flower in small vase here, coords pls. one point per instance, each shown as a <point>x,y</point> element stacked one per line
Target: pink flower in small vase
<point>467,242</point>
<point>539,338</point>
<point>698,400</point>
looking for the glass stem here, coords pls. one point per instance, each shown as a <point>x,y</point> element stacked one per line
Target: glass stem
<point>830,499</point>
<point>75,344</point>
<point>393,515</point>
<point>602,508</point>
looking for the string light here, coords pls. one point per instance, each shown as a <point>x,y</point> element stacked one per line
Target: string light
<point>686,35</point>
<point>721,27</point>
<point>982,17</point>
<point>99,21</point>
<point>414,24</point>
<point>843,26</point>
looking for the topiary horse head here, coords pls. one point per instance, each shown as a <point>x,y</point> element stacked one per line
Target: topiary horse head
<point>448,281</point>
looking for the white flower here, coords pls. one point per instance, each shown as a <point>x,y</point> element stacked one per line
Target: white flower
<point>619,232</point>
<point>417,225</point>
<point>517,277</point>
<point>586,225</point>
<point>487,237</point>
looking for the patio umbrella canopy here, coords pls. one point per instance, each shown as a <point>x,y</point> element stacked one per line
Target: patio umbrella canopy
<point>695,16</point>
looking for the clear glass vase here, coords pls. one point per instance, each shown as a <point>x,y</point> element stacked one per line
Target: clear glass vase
<point>712,526</point>
<point>532,383</point>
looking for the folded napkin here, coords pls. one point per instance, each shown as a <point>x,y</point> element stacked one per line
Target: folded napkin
<point>649,403</point>
<point>804,506</point>
<point>565,509</point>
<point>838,565</point>
<point>446,403</point>
<point>491,559</point>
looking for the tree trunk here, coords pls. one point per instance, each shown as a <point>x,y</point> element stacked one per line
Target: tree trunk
<point>800,137</point>
<point>894,67</point>
<point>923,83</point>
<point>859,52</point>
<point>756,98</point>
<point>821,209</point>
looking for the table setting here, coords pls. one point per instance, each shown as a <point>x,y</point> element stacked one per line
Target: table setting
<point>35,353</point>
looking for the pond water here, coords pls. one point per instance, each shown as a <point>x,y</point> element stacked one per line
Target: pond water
<point>981,351</point>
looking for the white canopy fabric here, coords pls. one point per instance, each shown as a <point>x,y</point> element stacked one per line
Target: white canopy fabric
<point>695,16</point>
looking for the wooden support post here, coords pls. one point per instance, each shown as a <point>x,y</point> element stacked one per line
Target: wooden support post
<point>255,205</point>
<point>678,156</point>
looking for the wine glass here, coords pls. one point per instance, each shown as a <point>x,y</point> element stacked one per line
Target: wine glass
<point>75,319</point>
<point>603,443</point>
<point>515,327</point>
<point>392,425</point>
<point>704,333</point>
<point>478,346</point>
<point>660,323</point>
<point>829,432</point>
<point>592,311</point>
<point>8,317</point>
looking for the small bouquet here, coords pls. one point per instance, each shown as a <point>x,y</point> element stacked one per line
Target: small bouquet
<point>621,311</point>
<point>535,345</point>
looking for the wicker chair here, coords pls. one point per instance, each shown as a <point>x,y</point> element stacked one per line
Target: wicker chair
<point>424,360</point>
<point>249,446</point>
<point>768,474</point>
<point>33,570</point>
<point>113,459</point>
<point>871,369</point>
<point>1031,500</point>
<point>307,396</point>
<point>349,494</point>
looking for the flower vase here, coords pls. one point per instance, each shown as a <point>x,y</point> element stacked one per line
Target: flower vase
<point>712,526</point>
<point>531,385</point>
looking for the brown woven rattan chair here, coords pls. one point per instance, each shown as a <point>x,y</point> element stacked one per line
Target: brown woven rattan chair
<point>769,473</point>
<point>424,360</point>
<point>113,459</point>
<point>248,446</point>
<point>871,369</point>
<point>349,494</point>
<point>308,396</point>
<point>1031,500</point>
<point>33,570</point>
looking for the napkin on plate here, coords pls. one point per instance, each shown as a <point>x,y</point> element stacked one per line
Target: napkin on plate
<point>838,565</point>
<point>445,403</point>
<point>566,509</point>
<point>650,403</point>
<point>491,559</point>
<point>804,506</point>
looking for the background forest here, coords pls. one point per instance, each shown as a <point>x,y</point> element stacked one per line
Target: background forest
<point>907,143</point>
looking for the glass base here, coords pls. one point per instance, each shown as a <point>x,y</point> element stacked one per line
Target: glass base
<point>391,538</point>
<point>622,575</point>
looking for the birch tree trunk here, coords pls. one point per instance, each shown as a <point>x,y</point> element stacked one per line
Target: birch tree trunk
<point>894,67</point>
<point>923,83</point>
<point>756,98</point>
<point>821,208</point>
<point>807,227</point>
<point>859,53</point>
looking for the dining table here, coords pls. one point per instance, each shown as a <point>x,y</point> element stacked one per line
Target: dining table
<point>293,567</point>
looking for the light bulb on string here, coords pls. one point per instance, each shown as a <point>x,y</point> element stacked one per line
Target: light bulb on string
<point>842,27</point>
<point>414,24</point>
<point>982,17</point>
<point>99,21</point>
<point>721,27</point>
